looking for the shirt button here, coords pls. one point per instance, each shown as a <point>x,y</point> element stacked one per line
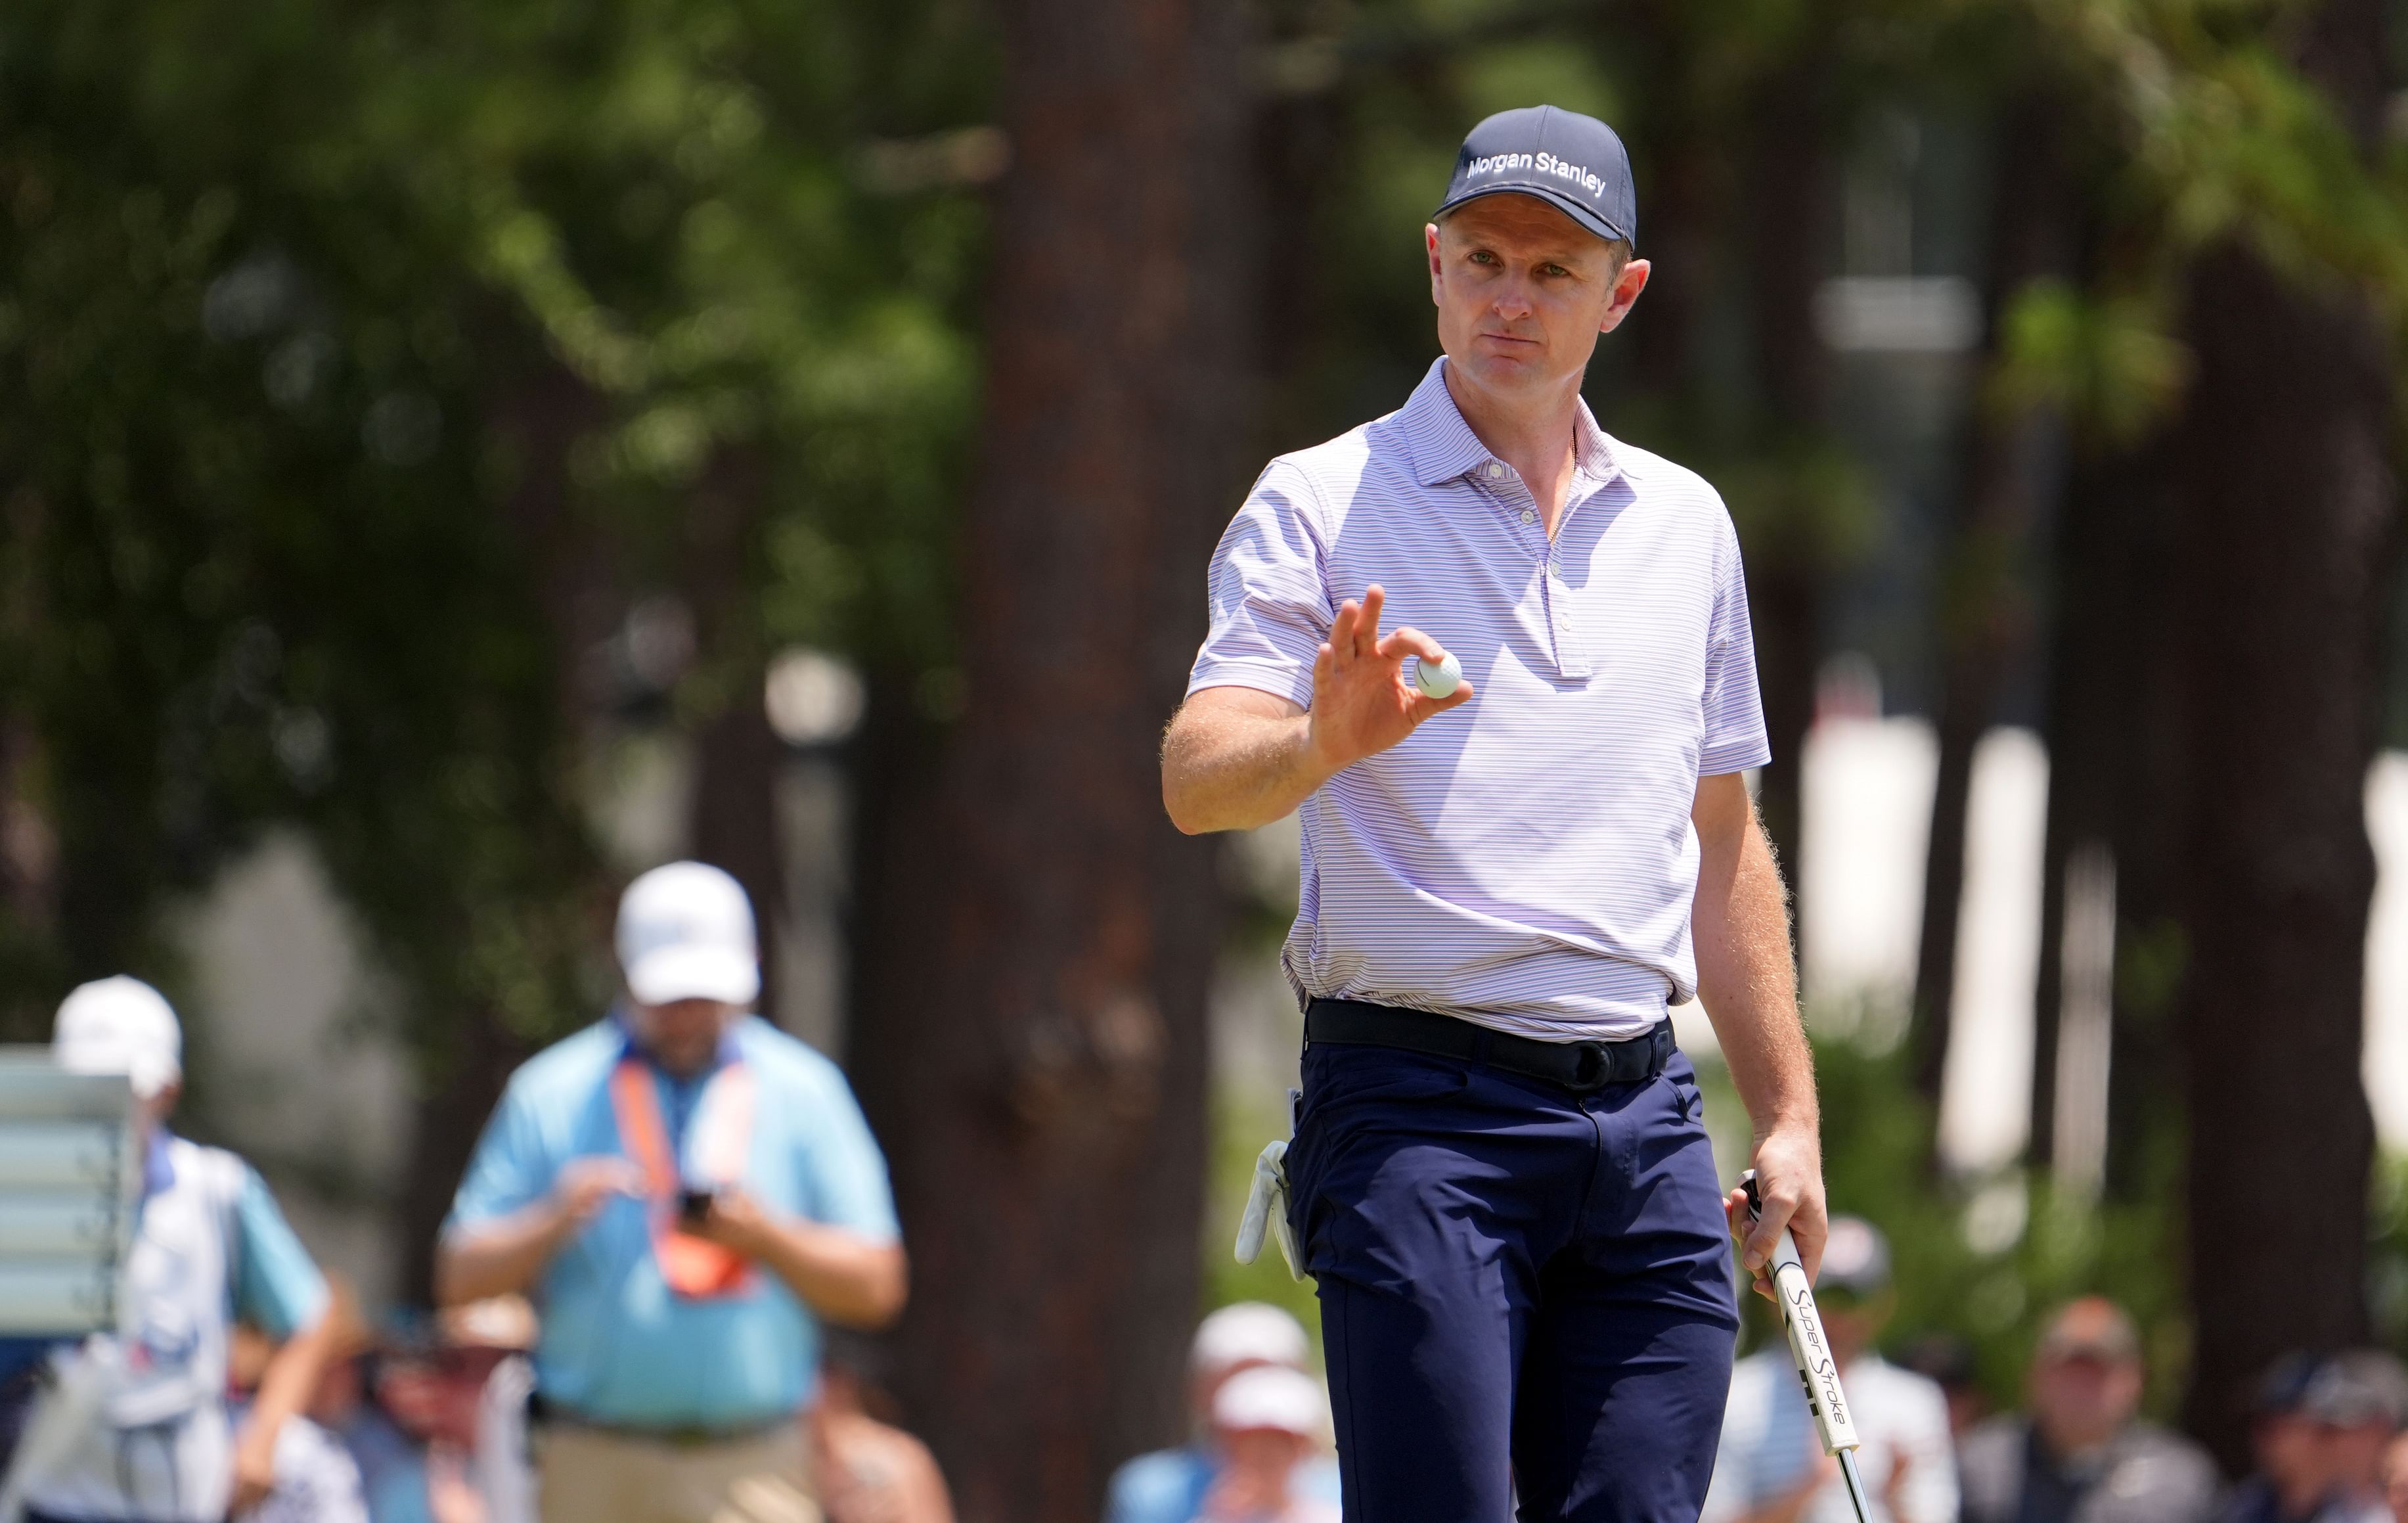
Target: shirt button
<point>1529,517</point>
<point>1495,470</point>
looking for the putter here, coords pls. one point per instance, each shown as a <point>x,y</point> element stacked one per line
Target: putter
<point>1811,1354</point>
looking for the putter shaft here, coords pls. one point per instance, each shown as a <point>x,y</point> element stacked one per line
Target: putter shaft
<point>1856,1485</point>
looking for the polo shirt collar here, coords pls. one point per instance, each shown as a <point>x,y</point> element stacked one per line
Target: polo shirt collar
<point>1443,446</point>
<point>731,1047</point>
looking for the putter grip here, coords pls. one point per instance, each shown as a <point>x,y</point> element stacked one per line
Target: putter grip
<point>1818,1372</point>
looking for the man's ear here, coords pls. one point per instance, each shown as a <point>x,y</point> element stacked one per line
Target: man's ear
<point>1437,269</point>
<point>1626,286</point>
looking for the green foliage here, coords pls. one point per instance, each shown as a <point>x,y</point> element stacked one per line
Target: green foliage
<point>1996,1296</point>
<point>2109,360</point>
<point>353,358</point>
<point>1242,1123</point>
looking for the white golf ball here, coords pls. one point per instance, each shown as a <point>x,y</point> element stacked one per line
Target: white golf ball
<point>1439,679</point>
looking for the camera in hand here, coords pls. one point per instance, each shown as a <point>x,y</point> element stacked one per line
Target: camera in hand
<point>694,1206</point>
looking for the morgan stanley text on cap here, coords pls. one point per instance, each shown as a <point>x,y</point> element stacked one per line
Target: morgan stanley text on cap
<point>1571,162</point>
<point>685,933</point>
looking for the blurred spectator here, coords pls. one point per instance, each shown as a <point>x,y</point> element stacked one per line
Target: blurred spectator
<point>462,1402</point>
<point>1771,1468</point>
<point>392,1465</point>
<point>1266,1422</point>
<point>2083,1456</point>
<point>316,1480</point>
<point>2293,1477</point>
<point>870,1471</point>
<point>2395,1479</point>
<point>1946,1360</point>
<point>138,1425</point>
<point>1170,1486</point>
<point>2357,1402</point>
<point>686,1190</point>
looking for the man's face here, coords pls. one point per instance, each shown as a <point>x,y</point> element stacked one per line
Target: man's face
<point>2082,1400</point>
<point>1852,1320</point>
<point>2290,1451</point>
<point>1523,292</point>
<point>682,1035</point>
<point>1264,1451</point>
<point>2354,1453</point>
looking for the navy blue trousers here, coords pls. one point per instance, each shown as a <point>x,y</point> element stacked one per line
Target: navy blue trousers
<point>1524,1291</point>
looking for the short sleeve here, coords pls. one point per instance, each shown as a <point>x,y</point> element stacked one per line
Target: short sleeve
<point>277,1289</point>
<point>511,1169</point>
<point>1734,710</point>
<point>1267,594</point>
<point>846,1170</point>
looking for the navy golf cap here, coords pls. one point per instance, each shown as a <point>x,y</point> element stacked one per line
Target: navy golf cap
<point>1569,161</point>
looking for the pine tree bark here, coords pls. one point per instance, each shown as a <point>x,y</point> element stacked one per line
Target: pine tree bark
<point>733,813</point>
<point>2288,520</point>
<point>1035,939</point>
<point>1791,187</point>
<point>539,411</point>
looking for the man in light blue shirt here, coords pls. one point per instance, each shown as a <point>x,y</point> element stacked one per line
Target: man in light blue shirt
<point>685,1189</point>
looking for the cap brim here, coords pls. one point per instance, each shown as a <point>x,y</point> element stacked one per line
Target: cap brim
<point>694,972</point>
<point>147,1074</point>
<point>1585,215</point>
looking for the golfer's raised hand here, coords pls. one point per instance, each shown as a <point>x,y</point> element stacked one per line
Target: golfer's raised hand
<point>1789,1180</point>
<point>1362,701</point>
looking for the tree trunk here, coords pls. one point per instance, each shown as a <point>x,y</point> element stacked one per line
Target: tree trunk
<point>1791,190</point>
<point>2284,548</point>
<point>732,814</point>
<point>541,411</point>
<point>1035,938</point>
<point>1984,612</point>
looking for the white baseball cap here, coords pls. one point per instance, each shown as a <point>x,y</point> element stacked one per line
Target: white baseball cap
<point>685,933</point>
<point>120,1026</point>
<point>1247,1333</point>
<point>1272,1396</point>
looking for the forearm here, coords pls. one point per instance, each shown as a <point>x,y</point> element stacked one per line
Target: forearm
<point>289,1381</point>
<point>849,1279</point>
<point>1226,770</point>
<point>1749,983</point>
<point>499,1257</point>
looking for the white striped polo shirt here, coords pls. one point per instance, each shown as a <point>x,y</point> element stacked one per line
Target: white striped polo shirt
<point>1527,860</point>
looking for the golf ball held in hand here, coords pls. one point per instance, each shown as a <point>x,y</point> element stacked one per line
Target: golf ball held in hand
<point>1437,679</point>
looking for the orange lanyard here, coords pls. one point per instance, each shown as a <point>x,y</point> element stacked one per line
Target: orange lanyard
<point>692,1266</point>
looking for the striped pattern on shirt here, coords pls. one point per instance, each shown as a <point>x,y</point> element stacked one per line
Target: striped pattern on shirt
<point>1525,861</point>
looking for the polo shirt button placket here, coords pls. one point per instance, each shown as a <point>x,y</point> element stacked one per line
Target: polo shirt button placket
<point>1571,659</point>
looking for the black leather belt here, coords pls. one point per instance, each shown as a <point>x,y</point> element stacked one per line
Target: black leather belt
<point>1581,1067</point>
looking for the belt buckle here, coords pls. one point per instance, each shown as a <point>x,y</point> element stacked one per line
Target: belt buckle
<point>1594,1070</point>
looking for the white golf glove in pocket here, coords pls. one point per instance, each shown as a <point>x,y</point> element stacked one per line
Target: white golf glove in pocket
<point>1266,1208</point>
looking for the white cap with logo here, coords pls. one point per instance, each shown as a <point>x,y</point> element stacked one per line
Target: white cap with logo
<point>685,933</point>
<point>120,1026</point>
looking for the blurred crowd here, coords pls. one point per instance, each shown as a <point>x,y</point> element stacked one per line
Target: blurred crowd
<point>669,1205</point>
<point>2327,1437</point>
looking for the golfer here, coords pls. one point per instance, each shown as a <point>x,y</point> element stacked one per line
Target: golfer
<point>1499,1176</point>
